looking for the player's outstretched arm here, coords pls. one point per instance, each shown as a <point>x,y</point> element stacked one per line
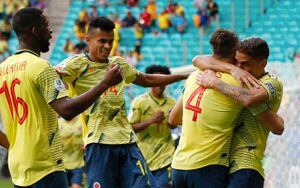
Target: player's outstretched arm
<point>244,96</point>
<point>152,80</point>
<point>207,62</point>
<point>156,118</point>
<point>272,121</point>
<point>3,140</point>
<point>175,117</point>
<point>69,108</point>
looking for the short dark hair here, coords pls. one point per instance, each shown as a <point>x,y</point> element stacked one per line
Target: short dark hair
<point>26,18</point>
<point>224,43</point>
<point>254,47</point>
<point>153,69</point>
<point>102,23</point>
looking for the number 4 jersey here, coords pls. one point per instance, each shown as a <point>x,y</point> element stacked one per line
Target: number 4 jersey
<point>27,85</point>
<point>208,121</point>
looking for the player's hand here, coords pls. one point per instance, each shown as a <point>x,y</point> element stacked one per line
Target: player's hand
<point>245,77</point>
<point>158,117</point>
<point>207,79</point>
<point>113,75</point>
<point>60,71</point>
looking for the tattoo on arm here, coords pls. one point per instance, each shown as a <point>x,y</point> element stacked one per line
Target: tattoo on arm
<point>239,94</point>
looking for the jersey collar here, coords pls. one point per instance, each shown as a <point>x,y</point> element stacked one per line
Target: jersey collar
<point>160,102</point>
<point>26,50</point>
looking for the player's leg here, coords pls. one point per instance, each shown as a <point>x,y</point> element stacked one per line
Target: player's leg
<point>162,177</point>
<point>101,162</point>
<point>246,178</point>
<point>134,170</point>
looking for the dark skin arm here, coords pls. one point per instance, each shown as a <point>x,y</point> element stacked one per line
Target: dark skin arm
<point>246,97</point>
<point>158,117</point>
<point>3,140</point>
<point>152,80</point>
<point>68,108</point>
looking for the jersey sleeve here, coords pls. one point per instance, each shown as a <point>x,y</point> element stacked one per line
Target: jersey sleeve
<point>128,72</point>
<point>50,85</point>
<point>72,69</point>
<point>135,112</point>
<point>274,89</point>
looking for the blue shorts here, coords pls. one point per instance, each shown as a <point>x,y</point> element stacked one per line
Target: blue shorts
<point>75,176</point>
<point>123,166</point>
<point>246,178</point>
<point>163,177</point>
<point>55,179</point>
<point>213,176</point>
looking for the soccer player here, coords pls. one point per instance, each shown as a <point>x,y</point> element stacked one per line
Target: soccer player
<point>71,134</point>
<point>208,117</point>
<point>30,94</point>
<point>149,118</point>
<point>112,156</point>
<point>250,135</point>
<point>3,140</point>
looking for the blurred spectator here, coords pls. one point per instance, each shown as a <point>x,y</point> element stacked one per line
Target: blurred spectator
<point>103,3</point>
<point>145,20</point>
<point>41,4</point>
<point>151,9</point>
<point>178,8</point>
<point>213,9</point>
<point>129,20</point>
<point>199,4</point>
<point>80,29</point>
<point>138,30</point>
<point>180,22</point>
<point>116,36</point>
<point>69,46</point>
<point>5,28</point>
<point>84,16</point>
<point>79,48</point>
<point>164,21</point>
<point>201,19</point>
<point>132,3</point>
<point>131,59</point>
<point>94,12</point>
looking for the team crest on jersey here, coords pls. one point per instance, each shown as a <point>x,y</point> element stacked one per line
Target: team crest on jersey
<point>59,85</point>
<point>96,185</point>
<point>271,88</point>
<point>91,69</point>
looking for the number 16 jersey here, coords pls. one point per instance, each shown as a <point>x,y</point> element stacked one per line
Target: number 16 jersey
<point>27,85</point>
<point>207,125</point>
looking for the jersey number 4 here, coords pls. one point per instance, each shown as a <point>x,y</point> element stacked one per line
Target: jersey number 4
<point>196,109</point>
<point>13,101</point>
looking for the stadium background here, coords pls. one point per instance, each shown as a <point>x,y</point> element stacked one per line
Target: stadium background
<point>276,21</point>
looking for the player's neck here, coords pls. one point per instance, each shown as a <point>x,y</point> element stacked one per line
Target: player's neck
<point>95,59</point>
<point>31,47</point>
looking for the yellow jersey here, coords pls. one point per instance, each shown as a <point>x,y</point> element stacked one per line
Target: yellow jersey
<point>155,141</point>
<point>250,135</point>
<point>207,125</point>
<point>27,85</point>
<point>106,120</point>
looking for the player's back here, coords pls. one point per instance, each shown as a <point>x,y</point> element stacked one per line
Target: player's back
<point>208,120</point>
<point>30,123</point>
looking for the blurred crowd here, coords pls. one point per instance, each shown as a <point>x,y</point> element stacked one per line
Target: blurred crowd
<point>7,10</point>
<point>171,19</point>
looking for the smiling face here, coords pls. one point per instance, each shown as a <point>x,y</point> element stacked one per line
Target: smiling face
<point>253,65</point>
<point>100,43</point>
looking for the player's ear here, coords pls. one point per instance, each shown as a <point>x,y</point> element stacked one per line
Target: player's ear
<point>34,31</point>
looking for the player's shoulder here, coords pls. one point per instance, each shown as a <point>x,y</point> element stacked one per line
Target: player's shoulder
<point>170,99</point>
<point>272,82</point>
<point>75,59</point>
<point>118,59</point>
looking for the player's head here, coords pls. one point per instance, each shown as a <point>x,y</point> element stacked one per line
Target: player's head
<point>158,69</point>
<point>100,37</point>
<point>224,43</point>
<point>32,28</point>
<point>252,55</point>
